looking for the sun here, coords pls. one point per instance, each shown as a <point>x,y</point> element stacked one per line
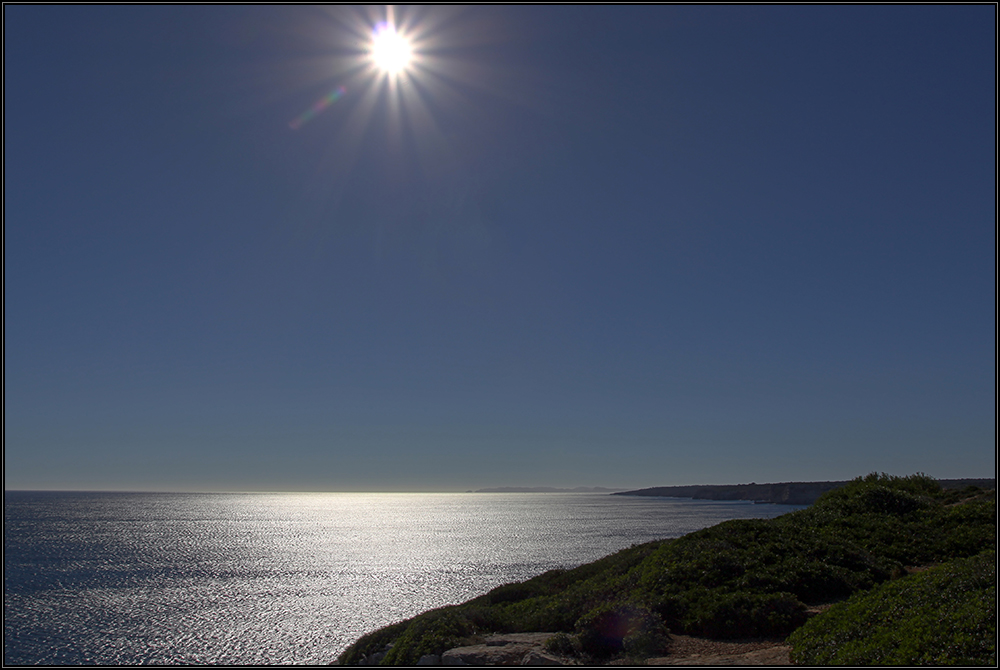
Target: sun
<point>390,51</point>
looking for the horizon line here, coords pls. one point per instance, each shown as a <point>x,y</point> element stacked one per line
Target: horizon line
<point>511,489</point>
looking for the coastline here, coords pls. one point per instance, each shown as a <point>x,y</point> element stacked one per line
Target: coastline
<point>746,592</point>
<point>783,493</point>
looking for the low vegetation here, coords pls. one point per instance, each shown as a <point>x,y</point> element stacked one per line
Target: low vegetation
<point>942,616</point>
<point>741,579</point>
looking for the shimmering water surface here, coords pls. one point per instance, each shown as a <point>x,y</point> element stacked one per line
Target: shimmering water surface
<point>152,578</point>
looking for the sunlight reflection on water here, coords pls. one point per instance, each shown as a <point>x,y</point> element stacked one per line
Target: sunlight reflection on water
<point>147,578</point>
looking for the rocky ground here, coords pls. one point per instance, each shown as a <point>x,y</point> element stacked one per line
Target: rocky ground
<point>529,649</point>
<point>699,651</point>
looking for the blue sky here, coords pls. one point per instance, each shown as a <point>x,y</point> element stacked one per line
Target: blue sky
<point>618,246</point>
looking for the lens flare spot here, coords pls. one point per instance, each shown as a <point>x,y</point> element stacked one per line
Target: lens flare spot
<point>390,51</point>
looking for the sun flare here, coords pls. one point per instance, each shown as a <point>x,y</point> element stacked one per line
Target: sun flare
<point>390,51</point>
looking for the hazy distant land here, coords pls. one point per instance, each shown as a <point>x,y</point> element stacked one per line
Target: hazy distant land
<point>784,493</point>
<point>546,489</point>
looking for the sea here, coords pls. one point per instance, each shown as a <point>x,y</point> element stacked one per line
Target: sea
<point>288,578</point>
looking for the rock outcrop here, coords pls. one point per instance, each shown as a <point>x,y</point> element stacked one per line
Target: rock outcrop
<point>510,649</point>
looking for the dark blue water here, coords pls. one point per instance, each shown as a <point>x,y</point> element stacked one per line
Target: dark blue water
<point>152,578</point>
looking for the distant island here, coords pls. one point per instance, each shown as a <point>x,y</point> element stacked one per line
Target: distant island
<point>546,489</point>
<point>785,493</point>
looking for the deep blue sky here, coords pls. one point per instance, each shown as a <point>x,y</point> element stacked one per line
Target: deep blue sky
<point>619,246</point>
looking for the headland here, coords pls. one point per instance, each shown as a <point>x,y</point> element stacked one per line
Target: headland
<point>881,570</point>
<point>784,493</point>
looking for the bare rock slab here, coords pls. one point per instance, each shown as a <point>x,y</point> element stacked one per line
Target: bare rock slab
<point>512,649</point>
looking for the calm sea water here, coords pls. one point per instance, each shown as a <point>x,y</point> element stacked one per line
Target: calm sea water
<point>151,578</point>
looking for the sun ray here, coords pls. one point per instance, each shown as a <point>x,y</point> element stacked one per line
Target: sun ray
<point>398,83</point>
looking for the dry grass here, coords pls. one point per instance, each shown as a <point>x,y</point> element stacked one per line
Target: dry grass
<point>686,650</point>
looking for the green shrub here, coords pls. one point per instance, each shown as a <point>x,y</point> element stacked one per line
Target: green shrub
<point>430,633</point>
<point>942,616</point>
<point>372,643</point>
<point>512,593</point>
<point>562,644</point>
<point>880,493</point>
<point>951,496</point>
<point>966,529</point>
<point>553,614</point>
<point>763,557</point>
<point>884,500</point>
<point>482,618</point>
<point>610,629</point>
<point>649,637</point>
<point>740,615</point>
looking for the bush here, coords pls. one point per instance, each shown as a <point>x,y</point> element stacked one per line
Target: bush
<point>371,643</point>
<point>431,633</point>
<point>764,557</point>
<point>744,614</point>
<point>950,496</point>
<point>649,638</point>
<point>942,616</point>
<point>610,629</point>
<point>485,618</point>
<point>562,644</point>
<point>881,494</point>
<point>541,614</point>
<point>509,593</point>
